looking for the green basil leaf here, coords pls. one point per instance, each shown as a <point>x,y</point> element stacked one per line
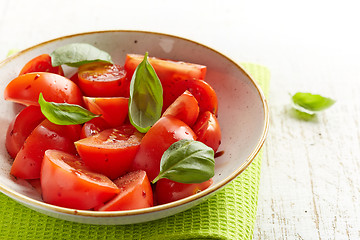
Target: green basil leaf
<point>77,54</point>
<point>302,114</point>
<point>187,161</point>
<point>312,102</point>
<point>146,97</point>
<point>64,113</point>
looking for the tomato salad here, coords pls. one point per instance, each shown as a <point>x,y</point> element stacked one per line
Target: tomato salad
<point>112,137</point>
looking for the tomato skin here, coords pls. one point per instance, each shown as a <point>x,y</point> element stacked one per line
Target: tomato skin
<point>45,136</point>
<point>67,182</point>
<point>93,127</point>
<point>112,151</point>
<point>166,69</point>
<point>41,63</point>
<point>113,110</point>
<point>207,130</point>
<point>201,90</point>
<point>103,80</point>
<point>21,127</point>
<point>135,193</point>
<point>169,191</point>
<point>26,88</point>
<point>185,108</point>
<point>169,73</point>
<point>156,141</point>
<point>74,78</point>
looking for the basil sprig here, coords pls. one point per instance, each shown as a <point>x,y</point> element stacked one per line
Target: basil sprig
<point>64,113</point>
<point>146,97</point>
<point>187,161</point>
<point>77,54</point>
<point>306,105</point>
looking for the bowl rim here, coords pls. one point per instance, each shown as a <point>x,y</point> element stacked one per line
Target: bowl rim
<point>212,189</point>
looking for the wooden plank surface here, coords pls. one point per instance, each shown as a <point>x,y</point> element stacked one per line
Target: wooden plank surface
<point>310,183</point>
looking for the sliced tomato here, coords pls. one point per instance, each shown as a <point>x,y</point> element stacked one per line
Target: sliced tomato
<point>75,78</point>
<point>207,130</point>
<point>93,127</point>
<point>168,71</point>
<point>185,108</point>
<point>201,90</point>
<point>36,184</point>
<point>41,63</point>
<point>135,193</point>
<point>26,88</point>
<point>45,136</point>
<point>156,141</point>
<point>169,191</point>
<point>67,182</point>
<point>21,127</point>
<point>103,80</point>
<point>112,151</point>
<point>113,110</point>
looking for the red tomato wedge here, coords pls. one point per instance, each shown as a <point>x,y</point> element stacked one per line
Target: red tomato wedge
<point>207,130</point>
<point>21,127</point>
<point>75,78</point>
<point>135,193</point>
<point>156,141</point>
<point>201,90</point>
<point>185,108</point>
<point>169,191</point>
<point>113,110</point>
<point>41,63</point>
<point>36,184</point>
<point>103,80</point>
<point>93,127</point>
<point>45,136</point>
<point>67,182</point>
<point>112,151</point>
<point>168,71</point>
<point>26,88</point>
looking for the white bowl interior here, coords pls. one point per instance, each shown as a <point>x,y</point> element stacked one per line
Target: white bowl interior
<point>242,108</point>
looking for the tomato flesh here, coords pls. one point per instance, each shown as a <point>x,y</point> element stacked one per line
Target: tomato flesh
<point>169,73</point>
<point>45,136</point>
<point>185,108</point>
<point>103,80</point>
<point>26,88</point>
<point>113,110</point>
<point>21,127</point>
<point>169,191</point>
<point>67,182</point>
<point>156,141</point>
<point>135,193</point>
<point>207,130</point>
<point>41,63</point>
<point>112,151</point>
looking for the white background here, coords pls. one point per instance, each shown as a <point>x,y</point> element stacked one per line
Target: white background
<point>310,182</point>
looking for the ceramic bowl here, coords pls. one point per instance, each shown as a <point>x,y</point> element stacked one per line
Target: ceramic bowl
<point>243,117</point>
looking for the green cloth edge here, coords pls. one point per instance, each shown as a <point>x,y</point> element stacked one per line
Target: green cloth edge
<point>229,214</point>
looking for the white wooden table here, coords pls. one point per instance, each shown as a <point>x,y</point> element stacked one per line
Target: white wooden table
<point>310,183</point>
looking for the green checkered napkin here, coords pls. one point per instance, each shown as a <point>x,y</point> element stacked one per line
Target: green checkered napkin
<point>229,214</point>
